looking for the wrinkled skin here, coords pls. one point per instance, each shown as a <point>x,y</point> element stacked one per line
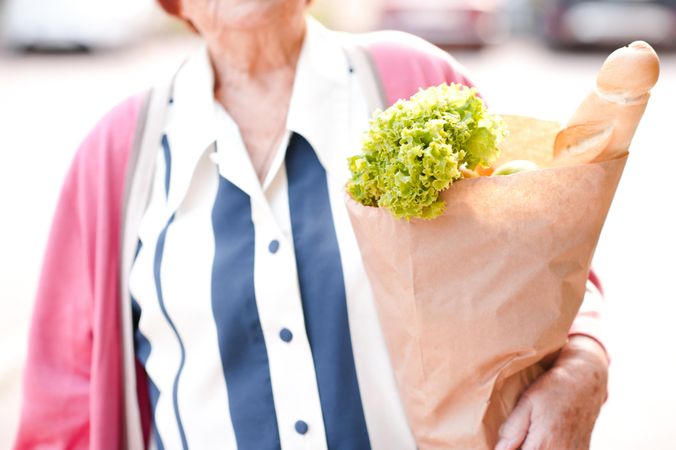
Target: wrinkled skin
<point>254,47</point>
<point>210,16</point>
<point>559,410</point>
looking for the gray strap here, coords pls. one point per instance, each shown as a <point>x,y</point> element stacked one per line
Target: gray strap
<point>149,128</point>
<point>365,71</point>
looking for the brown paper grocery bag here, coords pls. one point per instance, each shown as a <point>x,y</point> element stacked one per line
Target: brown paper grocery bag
<point>472,301</point>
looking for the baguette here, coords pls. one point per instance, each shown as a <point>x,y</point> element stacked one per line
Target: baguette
<point>605,122</point>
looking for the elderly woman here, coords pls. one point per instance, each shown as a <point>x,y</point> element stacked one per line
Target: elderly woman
<point>252,319</point>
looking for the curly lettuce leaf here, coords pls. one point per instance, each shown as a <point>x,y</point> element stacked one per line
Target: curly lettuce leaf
<point>414,150</point>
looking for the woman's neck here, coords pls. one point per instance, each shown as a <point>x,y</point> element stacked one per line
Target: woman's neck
<point>258,55</point>
<point>254,71</point>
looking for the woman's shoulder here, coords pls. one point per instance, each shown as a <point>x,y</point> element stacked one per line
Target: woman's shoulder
<point>96,179</point>
<point>107,146</point>
<point>399,44</point>
<point>406,62</point>
<point>114,132</point>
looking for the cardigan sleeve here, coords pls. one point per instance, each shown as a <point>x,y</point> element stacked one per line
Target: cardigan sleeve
<point>589,320</point>
<point>407,63</point>
<point>71,376</point>
<point>55,411</point>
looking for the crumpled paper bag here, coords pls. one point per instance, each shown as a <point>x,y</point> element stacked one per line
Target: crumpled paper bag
<point>472,302</point>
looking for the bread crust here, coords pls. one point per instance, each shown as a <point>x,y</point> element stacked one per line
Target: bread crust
<point>605,122</point>
<point>629,72</point>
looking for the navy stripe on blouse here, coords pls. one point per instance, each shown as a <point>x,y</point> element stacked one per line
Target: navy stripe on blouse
<point>143,349</point>
<point>167,163</point>
<point>240,337</point>
<point>157,269</point>
<point>322,287</point>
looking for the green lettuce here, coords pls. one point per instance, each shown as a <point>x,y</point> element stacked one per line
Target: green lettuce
<point>415,149</point>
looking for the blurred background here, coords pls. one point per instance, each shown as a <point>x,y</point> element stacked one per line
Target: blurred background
<point>64,63</point>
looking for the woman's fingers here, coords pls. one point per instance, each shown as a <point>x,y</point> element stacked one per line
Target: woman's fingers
<point>514,431</point>
<point>558,411</point>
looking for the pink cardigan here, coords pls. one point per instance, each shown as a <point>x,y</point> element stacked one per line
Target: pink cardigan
<point>73,380</point>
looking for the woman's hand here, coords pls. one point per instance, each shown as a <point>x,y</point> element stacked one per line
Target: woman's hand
<point>559,410</point>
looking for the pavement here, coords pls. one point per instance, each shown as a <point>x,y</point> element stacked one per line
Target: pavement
<point>49,102</point>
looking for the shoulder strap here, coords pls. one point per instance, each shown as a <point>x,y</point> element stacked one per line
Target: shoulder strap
<point>366,72</point>
<point>140,168</point>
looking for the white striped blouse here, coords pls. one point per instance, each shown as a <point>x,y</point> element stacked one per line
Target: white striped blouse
<point>254,318</point>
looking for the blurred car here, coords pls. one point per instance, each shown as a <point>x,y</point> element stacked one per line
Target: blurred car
<point>74,24</point>
<point>609,22</point>
<point>448,23</point>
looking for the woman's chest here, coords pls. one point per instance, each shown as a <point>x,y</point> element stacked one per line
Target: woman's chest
<point>224,251</point>
<point>271,287</point>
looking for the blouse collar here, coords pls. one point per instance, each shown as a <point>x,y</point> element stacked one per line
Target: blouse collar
<point>318,110</point>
